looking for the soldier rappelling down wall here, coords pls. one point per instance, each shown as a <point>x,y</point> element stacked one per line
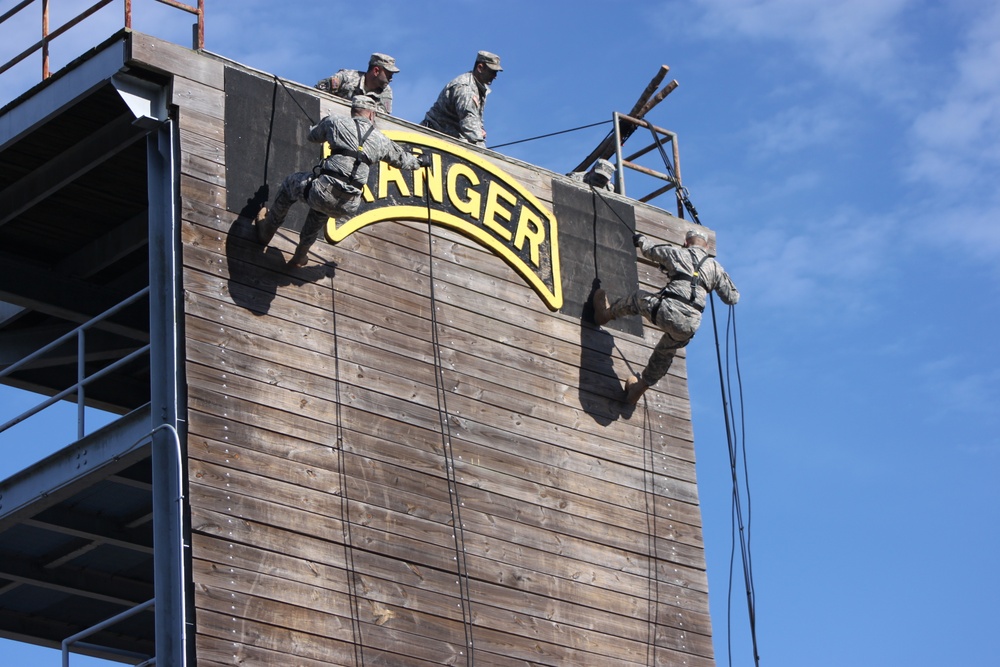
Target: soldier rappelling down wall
<point>333,188</point>
<point>676,308</point>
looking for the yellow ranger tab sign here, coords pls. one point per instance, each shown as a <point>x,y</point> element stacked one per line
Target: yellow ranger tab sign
<point>471,195</point>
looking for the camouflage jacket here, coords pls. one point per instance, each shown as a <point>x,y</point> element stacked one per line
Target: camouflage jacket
<point>679,264</point>
<point>350,82</point>
<point>586,177</point>
<point>458,111</point>
<point>346,164</point>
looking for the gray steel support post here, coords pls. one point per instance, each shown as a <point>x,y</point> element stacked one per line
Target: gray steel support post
<point>166,406</point>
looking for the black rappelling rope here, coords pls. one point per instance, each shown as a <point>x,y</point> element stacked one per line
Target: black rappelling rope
<point>301,108</point>
<point>652,569</point>
<point>345,509</point>
<point>735,445</point>
<point>458,529</point>
<point>550,134</point>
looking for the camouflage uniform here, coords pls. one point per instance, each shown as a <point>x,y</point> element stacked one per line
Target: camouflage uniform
<point>678,306</point>
<point>347,83</point>
<point>333,188</point>
<point>458,111</point>
<point>601,168</point>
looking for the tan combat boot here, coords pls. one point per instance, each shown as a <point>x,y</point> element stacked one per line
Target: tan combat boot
<point>634,389</point>
<point>602,308</point>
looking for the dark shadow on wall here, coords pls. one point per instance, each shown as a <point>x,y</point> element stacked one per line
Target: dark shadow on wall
<point>595,249</point>
<point>255,273</point>
<point>267,138</point>
<point>601,391</point>
<point>267,129</point>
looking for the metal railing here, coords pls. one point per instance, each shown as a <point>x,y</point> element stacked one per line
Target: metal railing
<point>48,36</point>
<point>660,137</point>
<point>78,637</point>
<point>82,379</point>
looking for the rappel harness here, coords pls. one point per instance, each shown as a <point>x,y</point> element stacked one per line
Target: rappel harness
<point>694,279</point>
<point>358,155</point>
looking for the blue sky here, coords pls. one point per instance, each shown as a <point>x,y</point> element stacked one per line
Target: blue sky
<point>847,154</point>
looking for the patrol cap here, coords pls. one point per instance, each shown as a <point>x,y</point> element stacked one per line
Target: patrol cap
<point>604,168</point>
<point>695,233</point>
<point>364,102</point>
<point>491,60</point>
<point>388,63</point>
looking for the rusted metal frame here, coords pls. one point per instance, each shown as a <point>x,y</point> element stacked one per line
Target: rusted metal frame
<point>602,150</point>
<point>47,37</point>
<point>672,180</point>
<point>45,42</point>
<point>618,154</point>
<point>671,183</point>
<point>671,137</point>
<point>677,176</point>
<point>675,170</point>
<point>626,162</point>
<point>199,11</point>
<point>645,123</point>
<point>640,153</point>
<point>656,193</point>
<point>648,171</point>
<point>648,106</point>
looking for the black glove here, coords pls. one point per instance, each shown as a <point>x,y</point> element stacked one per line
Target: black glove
<point>424,159</point>
<point>638,240</point>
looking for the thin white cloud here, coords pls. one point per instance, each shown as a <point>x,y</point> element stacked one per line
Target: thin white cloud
<point>855,40</point>
<point>827,262</point>
<point>793,130</point>
<point>956,142</point>
<point>958,389</point>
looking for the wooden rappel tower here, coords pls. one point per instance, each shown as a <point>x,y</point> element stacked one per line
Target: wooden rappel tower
<point>410,452</point>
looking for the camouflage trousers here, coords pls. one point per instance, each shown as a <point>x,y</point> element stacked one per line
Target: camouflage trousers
<point>326,199</point>
<point>678,328</point>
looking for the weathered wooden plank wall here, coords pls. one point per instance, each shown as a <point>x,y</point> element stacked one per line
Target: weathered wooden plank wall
<point>353,501</point>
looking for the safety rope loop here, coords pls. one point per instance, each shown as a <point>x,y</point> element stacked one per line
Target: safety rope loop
<point>739,528</point>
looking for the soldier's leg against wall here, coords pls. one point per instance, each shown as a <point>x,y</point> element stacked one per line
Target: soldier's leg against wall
<point>661,358</point>
<point>311,228</point>
<point>269,220</point>
<point>637,303</point>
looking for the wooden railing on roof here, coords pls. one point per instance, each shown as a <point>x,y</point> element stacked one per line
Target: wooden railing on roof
<point>49,36</point>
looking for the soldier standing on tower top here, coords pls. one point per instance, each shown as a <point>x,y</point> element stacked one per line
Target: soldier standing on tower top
<point>458,111</point>
<point>349,83</point>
